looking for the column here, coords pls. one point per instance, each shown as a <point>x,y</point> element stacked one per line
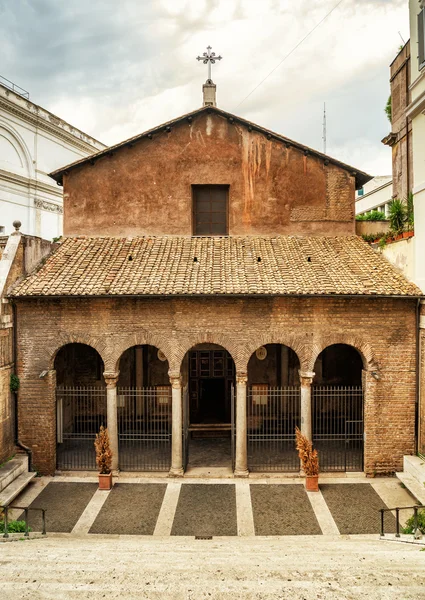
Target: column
<point>306,379</point>
<point>177,427</point>
<point>241,458</point>
<point>112,415</point>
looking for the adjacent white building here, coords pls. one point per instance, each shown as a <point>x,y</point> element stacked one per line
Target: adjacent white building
<point>33,143</point>
<point>416,112</point>
<point>375,195</point>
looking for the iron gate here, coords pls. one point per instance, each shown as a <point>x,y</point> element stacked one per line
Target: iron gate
<point>273,414</point>
<point>80,411</point>
<point>144,428</point>
<point>337,414</point>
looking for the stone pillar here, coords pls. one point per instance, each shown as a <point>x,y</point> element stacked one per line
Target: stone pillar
<point>421,367</point>
<point>306,379</point>
<point>241,458</point>
<point>177,427</point>
<point>112,415</point>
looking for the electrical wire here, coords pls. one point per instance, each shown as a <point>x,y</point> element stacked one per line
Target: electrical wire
<point>290,52</point>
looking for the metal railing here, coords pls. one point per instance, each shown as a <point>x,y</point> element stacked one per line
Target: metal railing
<point>26,510</point>
<point>338,434</point>
<point>80,411</point>
<point>416,533</point>
<point>273,413</point>
<point>15,88</point>
<point>144,428</point>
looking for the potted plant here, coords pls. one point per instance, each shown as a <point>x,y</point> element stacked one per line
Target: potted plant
<point>103,459</point>
<point>309,460</point>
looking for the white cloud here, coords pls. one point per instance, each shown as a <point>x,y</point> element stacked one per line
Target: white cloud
<point>115,73</point>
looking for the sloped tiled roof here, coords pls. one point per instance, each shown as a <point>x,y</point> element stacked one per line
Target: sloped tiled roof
<point>361,177</point>
<point>281,265</point>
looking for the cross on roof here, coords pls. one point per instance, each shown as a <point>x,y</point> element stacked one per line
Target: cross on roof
<point>209,58</point>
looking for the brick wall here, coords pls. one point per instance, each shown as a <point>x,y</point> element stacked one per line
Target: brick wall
<point>383,330</point>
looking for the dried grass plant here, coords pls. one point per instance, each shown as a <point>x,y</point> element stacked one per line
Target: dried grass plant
<point>103,451</point>
<point>309,457</point>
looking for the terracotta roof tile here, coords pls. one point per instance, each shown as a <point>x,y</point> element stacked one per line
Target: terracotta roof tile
<point>281,265</point>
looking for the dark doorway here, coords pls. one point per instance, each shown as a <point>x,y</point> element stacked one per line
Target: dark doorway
<point>209,426</point>
<point>212,401</point>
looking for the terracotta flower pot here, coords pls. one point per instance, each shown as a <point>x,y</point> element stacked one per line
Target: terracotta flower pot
<point>312,483</point>
<point>105,481</point>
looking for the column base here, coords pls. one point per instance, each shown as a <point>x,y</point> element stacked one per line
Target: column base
<point>176,472</point>
<point>241,473</point>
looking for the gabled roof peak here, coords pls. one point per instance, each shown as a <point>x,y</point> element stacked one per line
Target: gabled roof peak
<point>361,177</point>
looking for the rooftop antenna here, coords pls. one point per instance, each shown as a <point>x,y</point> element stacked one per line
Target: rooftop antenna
<point>324,128</point>
<point>404,43</point>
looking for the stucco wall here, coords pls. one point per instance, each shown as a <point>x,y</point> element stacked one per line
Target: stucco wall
<point>402,254</point>
<point>382,330</point>
<point>146,188</point>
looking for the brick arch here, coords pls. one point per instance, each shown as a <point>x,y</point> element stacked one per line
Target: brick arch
<point>363,348</point>
<point>63,339</point>
<point>118,347</point>
<point>206,337</point>
<point>301,349</point>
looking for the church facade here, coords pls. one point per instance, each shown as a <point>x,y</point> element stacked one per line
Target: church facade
<point>210,295</point>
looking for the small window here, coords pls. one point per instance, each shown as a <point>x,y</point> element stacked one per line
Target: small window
<point>421,38</point>
<point>360,192</point>
<point>210,209</point>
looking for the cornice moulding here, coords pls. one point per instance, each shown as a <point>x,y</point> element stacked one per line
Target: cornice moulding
<point>30,183</point>
<point>49,127</point>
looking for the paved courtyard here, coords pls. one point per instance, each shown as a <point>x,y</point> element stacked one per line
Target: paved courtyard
<point>222,539</point>
<point>213,507</point>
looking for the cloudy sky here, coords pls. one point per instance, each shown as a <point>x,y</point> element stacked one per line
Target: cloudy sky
<point>114,68</point>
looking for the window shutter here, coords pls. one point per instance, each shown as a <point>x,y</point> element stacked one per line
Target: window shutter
<point>421,38</point>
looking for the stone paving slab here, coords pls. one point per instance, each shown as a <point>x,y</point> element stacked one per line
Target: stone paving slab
<point>130,508</point>
<point>65,503</point>
<point>206,510</point>
<point>355,508</point>
<point>293,568</point>
<point>283,510</point>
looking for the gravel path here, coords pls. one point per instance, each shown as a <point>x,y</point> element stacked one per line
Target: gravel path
<point>355,508</point>
<point>130,508</point>
<point>282,510</point>
<point>65,503</point>
<point>206,509</point>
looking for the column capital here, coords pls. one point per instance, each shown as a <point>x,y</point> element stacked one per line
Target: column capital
<point>241,378</point>
<point>175,380</point>
<point>306,377</point>
<point>111,379</point>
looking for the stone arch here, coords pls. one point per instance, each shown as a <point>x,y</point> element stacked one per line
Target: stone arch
<point>363,348</point>
<point>12,136</point>
<point>77,338</point>
<point>207,337</point>
<point>301,349</point>
<point>118,347</point>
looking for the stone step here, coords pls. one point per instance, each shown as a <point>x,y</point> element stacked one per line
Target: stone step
<point>415,466</point>
<point>413,485</point>
<point>15,488</point>
<point>12,469</point>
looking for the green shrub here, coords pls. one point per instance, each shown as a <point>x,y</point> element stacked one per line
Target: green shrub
<point>371,237</point>
<point>388,109</point>
<point>14,383</point>
<point>409,212</point>
<point>410,523</point>
<point>14,527</point>
<point>374,215</point>
<point>398,216</point>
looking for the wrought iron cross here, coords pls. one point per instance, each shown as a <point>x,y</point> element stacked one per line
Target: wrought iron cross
<point>209,58</point>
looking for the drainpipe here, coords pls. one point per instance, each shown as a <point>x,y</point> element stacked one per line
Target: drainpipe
<point>15,394</point>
